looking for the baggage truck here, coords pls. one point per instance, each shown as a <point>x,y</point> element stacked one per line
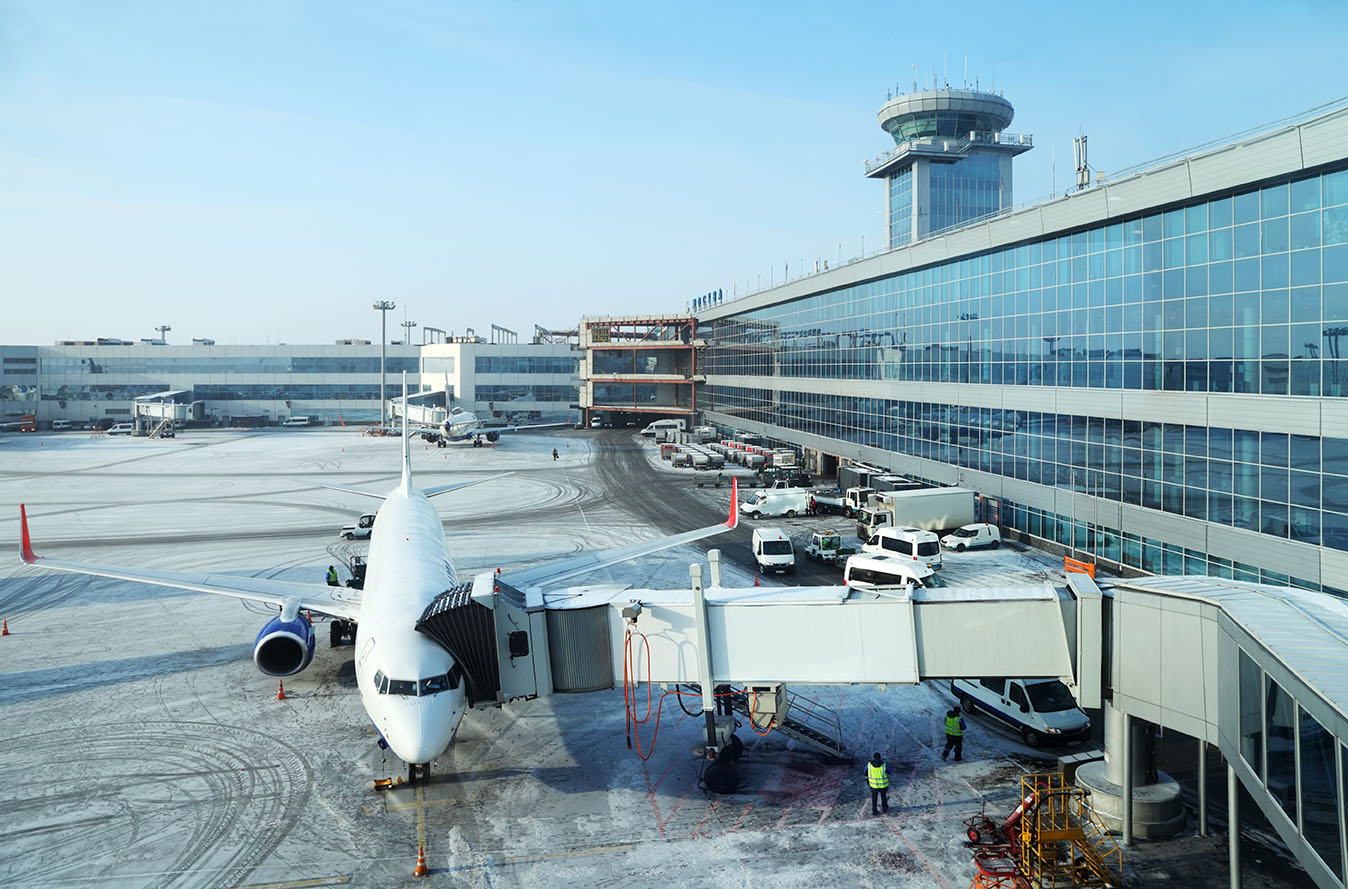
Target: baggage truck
<point>932,509</point>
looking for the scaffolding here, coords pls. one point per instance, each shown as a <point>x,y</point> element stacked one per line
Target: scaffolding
<point>1062,841</point>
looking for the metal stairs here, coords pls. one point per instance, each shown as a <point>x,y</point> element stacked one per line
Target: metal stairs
<point>807,722</point>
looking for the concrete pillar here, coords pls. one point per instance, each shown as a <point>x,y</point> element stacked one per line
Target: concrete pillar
<point>1202,787</point>
<point>1121,747</point>
<point>1233,824</point>
<point>1128,776</point>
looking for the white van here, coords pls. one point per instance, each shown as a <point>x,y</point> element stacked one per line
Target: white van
<point>62,425</point>
<point>789,502</point>
<point>972,536</point>
<point>121,429</point>
<point>673,425</point>
<point>1042,710</point>
<point>773,551</point>
<point>922,547</point>
<point>296,421</point>
<point>868,572</point>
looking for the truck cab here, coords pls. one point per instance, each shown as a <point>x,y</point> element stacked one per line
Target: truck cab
<point>361,530</point>
<point>857,499</point>
<point>773,551</point>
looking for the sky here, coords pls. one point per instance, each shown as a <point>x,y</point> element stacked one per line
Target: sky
<point>263,171</point>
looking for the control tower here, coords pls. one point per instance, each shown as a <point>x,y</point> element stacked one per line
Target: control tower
<point>952,160</point>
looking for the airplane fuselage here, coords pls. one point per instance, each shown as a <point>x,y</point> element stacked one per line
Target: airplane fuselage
<point>404,677</point>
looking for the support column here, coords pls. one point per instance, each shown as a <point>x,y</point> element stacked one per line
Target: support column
<point>1128,773</point>
<point>1202,787</point>
<point>1233,824</point>
<point>703,654</point>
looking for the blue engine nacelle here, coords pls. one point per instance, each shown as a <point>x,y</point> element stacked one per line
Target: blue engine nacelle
<point>284,647</point>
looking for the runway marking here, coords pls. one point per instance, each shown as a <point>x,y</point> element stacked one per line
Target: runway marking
<point>301,884</point>
<point>420,805</point>
<point>421,819</point>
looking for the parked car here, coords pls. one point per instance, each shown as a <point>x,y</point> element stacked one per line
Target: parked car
<point>1042,710</point>
<point>973,536</point>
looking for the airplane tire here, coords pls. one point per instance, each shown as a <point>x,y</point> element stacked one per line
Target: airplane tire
<point>721,777</point>
<point>335,633</point>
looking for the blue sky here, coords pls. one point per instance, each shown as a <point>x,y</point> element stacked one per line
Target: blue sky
<point>263,170</point>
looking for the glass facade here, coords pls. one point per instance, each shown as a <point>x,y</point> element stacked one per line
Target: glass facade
<point>901,207</point>
<point>280,364</point>
<point>1320,801</point>
<point>965,190</point>
<point>527,364</point>
<point>1242,293</point>
<point>566,394</point>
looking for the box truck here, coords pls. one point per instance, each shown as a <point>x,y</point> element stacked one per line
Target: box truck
<point>932,509</point>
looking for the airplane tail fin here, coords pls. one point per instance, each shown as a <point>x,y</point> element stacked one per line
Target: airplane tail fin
<point>407,450</point>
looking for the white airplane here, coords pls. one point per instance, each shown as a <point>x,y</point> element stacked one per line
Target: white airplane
<point>439,421</point>
<point>410,687</point>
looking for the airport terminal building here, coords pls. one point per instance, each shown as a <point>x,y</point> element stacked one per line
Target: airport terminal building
<point>260,385</point>
<point>1147,370</point>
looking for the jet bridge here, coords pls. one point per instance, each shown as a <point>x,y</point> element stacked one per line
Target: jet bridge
<point>517,644</point>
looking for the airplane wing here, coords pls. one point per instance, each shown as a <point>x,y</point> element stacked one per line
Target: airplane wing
<point>339,602</point>
<point>445,489</point>
<point>565,569</point>
<point>345,489</point>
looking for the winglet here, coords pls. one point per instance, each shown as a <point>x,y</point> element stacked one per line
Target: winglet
<point>734,519</point>
<point>25,541</point>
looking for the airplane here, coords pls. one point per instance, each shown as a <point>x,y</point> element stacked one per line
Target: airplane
<point>441,422</point>
<point>410,687</point>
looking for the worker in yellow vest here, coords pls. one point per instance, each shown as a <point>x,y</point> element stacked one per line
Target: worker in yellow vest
<point>954,734</point>
<point>877,775</point>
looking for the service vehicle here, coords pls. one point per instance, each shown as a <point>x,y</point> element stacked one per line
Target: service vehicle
<point>854,500</point>
<point>596,422</point>
<point>773,551</point>
<point>868,572</point>
<point>1041,710</point>
<point>660,425</point>
<point>361,530</point>
<point>62,425</point>
<point>121,429</point>
<point>931,509</point>
<point>789,502</point>
<point>296,421</point>
<point>832,504</point>
<point>973,536</point>
<point>788,478</point>
<point>828,546</point>
<point>912,544</point>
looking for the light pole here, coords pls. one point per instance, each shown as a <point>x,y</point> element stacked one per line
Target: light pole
<point>407,331</point>
<point>163,329</point>
<point>382,307</point>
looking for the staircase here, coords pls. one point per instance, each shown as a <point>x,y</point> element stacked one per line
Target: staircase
<point>807,722</point>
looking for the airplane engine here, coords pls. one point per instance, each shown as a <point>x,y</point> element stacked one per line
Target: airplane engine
<point>492,436</point>
<point>284,647</point>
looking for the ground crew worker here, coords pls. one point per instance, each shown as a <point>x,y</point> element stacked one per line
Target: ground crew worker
<point>954,734</point>
<point>554,454</point>
<point>877,775</point>
<point>332,576</point>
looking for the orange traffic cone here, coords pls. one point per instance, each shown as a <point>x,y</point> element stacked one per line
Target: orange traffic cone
<point>5,631</point>
<point>755,578</point>
<point>421,870</point>
<point>280,691</point>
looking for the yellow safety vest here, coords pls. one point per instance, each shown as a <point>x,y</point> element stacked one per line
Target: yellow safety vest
<point>878,775</point>
<point>952,726</point>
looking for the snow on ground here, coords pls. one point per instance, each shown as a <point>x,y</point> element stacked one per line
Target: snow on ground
<point>141,748</point>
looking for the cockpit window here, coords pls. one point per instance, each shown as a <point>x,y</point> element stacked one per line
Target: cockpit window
<point>406,687</point>
<point>380,681</point>
<point>433,685</point>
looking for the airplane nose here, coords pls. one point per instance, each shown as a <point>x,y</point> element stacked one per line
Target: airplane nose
<point>424,732</point>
